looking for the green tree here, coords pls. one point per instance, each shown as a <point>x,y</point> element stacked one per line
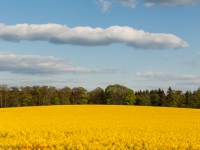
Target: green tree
<point>4,95</point>
<point>162,97</point>
<point>143,99</point>
<point>175,98</point>
<point>55,99</point>
<point>195,99</point>
<point>51,91</point>
<point>155,99</point>
<point>44,90</point>
<point>27,99</point>
<point>130,97</point>
<point>170,97</point>
<point>96,96</point>
<point>64,95</point>
<point>118,95</point>
<point>79,95</point>
<point>154,96</point>
<point>25,95</point>
<point>14,99</point>
<point>180,98</point>
<point>37,96</point>
<point>188,98</point>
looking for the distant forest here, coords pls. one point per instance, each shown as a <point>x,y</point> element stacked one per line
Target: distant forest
<point>112,95</point>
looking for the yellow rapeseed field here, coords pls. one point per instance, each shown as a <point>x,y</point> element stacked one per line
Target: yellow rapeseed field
<point>77,127</point>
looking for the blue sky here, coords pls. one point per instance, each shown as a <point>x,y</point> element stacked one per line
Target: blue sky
<point>141,44</point>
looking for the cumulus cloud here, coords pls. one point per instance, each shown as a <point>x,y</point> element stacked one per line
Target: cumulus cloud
<point>35,64</point>
<point>87,36</point>
<point>150,3</point>
<point>163,76</point>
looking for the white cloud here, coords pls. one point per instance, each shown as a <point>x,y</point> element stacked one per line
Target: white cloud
<point>130,3</point>
<point>150,3</point>
<point>163,76</point>
<point>198,53</point>
<point>107,3</point>
<point>87,36</point>
<point>176,81</point>
<point>142,80</point>
<point>35,64</point>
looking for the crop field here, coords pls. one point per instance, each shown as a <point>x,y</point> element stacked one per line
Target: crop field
<point>93,127</point>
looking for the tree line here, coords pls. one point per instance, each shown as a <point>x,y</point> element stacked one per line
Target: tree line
<point>113,95</point>
<point>173,98</point>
